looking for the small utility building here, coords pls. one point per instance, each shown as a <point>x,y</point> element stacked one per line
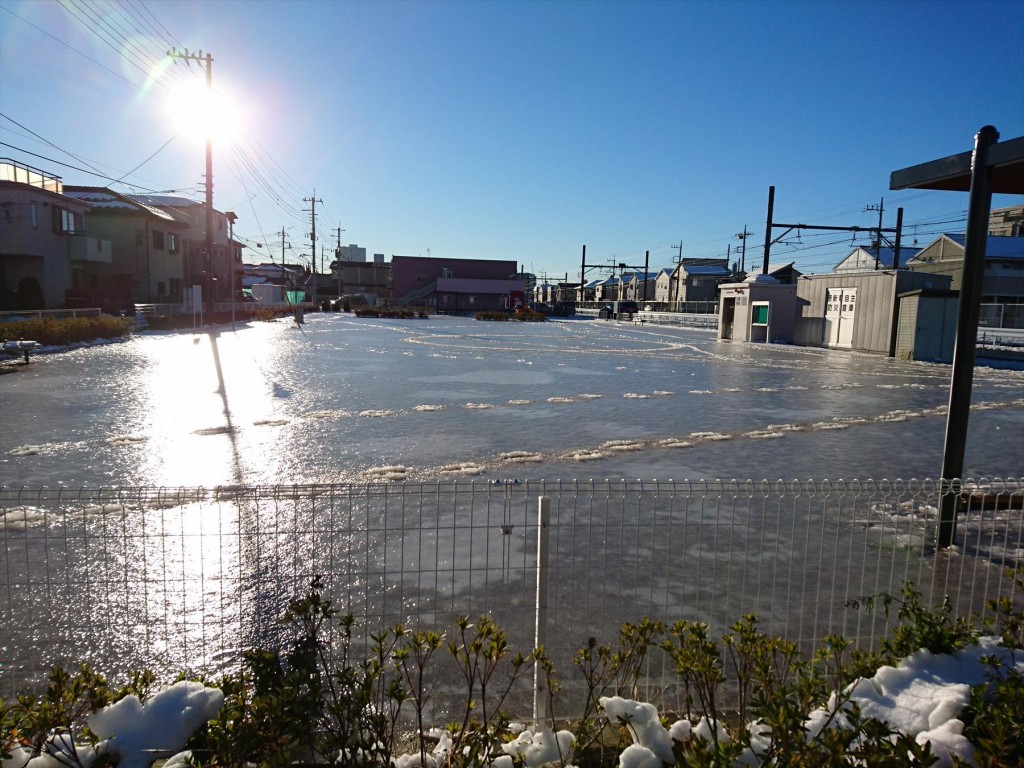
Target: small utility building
<point>856,310</point>
<point>760,309</point>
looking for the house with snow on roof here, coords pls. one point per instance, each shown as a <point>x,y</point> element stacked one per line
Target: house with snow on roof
<point>227,252</point>
<point>640,286</point>
<point>148,250</point>
<point>1002,288</point>
<point>862,259</point>
<point>691,280</point>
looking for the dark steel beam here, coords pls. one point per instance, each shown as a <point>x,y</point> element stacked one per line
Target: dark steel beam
<point>953,173</point>
<point>968,309</point>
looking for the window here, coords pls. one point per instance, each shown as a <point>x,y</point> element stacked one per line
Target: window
<point>160,288</point>
<point>35,215</point>
<point>158,239</point>
<point>421,279</point>
<point>66,221</point>
<point>172,242</point>
<point>446,272</point>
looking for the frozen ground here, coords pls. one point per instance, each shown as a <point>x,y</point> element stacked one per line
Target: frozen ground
<point>354,400</point>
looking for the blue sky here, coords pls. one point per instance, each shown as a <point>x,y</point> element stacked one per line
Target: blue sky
<point>523,130</point>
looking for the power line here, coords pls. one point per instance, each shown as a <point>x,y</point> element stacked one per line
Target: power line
<point>73,11</point>
<point>71,48</point>
<point>133,170</point>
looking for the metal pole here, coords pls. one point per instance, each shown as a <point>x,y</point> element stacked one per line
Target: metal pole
<point>647,266</point>
<point>231,261</point>
<point>540,704</point>
<point>583,274</point>
<point>768,229</point>
<point>975,240</point>
<point>209,190</point>
<point>896,242</point>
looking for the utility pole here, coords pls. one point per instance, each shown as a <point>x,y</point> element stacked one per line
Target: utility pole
<point>206,62</point>
<point>878,234</point>
<point>312,236</point>
<point>742,236</point>
<point>673,296</point>
<point>896,245</point>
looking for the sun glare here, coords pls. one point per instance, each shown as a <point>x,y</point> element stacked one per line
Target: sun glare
<point>200,113</point>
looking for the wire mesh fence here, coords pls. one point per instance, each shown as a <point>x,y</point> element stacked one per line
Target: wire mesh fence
<point>183,580</point>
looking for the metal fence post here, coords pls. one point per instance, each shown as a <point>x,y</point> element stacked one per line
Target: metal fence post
<point>541,617</point>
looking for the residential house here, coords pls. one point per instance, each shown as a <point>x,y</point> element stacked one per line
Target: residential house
<point>47,259</point>
<point>663,284</point>
<point>863,259</point>
<point>610,289</point>
<point>783,271</point>
<point>1002,290</point>
<point>565,291</point>
<point>222,269</point>
<point>456,285</point>
<point>587,292</point>
<point>544,293</point>
<point>148,264</point>
<point>690,281</point>
<point>640,286</point>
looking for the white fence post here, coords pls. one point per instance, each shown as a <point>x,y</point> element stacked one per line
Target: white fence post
<point>541,617</point>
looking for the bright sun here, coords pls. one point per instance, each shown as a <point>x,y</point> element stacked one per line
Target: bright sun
<point>200,113</point>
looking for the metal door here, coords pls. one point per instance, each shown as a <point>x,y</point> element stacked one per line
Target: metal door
<point>840,308</point>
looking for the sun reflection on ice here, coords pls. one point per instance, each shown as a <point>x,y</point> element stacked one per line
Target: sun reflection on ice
<point>201,395</point>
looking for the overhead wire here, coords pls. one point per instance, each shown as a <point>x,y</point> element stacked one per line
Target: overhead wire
<point>76,13</point>
<point>166,31</point>
<point>69,47</point>
<point>112,27</point>
<point>116,38</point>
<point>162,148</point>
<point>254,161</point>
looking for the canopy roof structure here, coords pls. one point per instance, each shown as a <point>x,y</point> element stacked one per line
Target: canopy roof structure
<point>953,173</point>
<point>991,167</point>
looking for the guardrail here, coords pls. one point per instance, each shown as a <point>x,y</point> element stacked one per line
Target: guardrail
<point>184,579</point>
<point>22,314</point>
